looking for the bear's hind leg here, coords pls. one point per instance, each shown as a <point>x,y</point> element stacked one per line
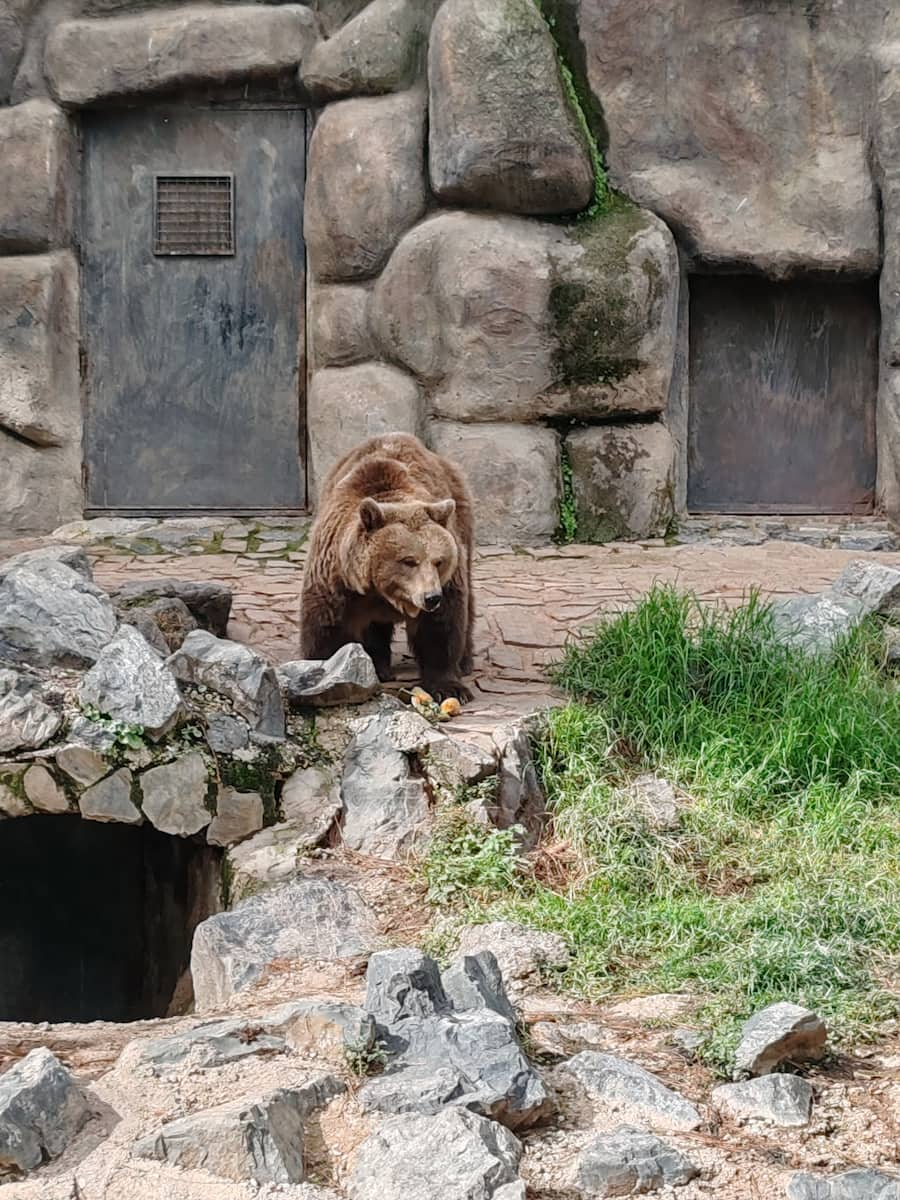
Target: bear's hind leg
<point>377,644</point>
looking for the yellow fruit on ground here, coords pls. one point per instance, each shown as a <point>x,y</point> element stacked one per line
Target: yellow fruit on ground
<point>451,707</point>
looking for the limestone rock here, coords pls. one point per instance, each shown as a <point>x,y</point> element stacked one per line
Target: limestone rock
<point>208,603</point>
<point>84,765</point>
<point>26,722</point>
<point>208,1046</point>
<point>309,918</point>
<point>12,41</point>
<point>259,1140</point>
<point>849,1185</point>
<point>38,181</point>
<point>525,956</point>
<point>622,481</point>
<point>311,802</point>
<point>520,797</point>
<point>41,1110</point>
<point>226,734</point>
<point>455,1155</point>
<point>339,325</point>
<point>42,790</point>
<point>502,134</point>
<point>50,616</point>
<point>349,404</point>
<point>459,1049</point>
<point>332,14</point>
<point>628,1162</point>
<point>238,816</point>
<point>234,671</point>
<point>365,184</point>
<point>175,795</point>
<point>780,1033</point>
<point>325,1028</point>
<point>386,809</point>
<point>274,855</point>
<point>70,556</point>
<point>131,683</point>
<point>619,1082</point>
<point>380,50</point>
<point>875,584</point>
<point>513,472</point>
<point>87,61</point>
<point>348,677</point>
<point>165,623</point>
<point>110,800</point>
<point>39,387</point>
<point>451,764</point>
<point>741,161</point>
<point>784,1100</point>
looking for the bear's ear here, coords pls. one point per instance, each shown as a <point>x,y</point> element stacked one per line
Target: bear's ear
<point>371,514</point>
<point>441,511</point>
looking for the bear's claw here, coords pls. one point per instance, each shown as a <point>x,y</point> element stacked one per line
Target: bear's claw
<point>447,689</point>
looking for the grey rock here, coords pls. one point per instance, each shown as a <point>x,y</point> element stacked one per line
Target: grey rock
<point>474,983</point>
<point>365,184</point>
<point>42,790</point>
<point>875,584</point>
<point>348,677</point>
<point>234,671</point>
<point>52,617</point>
<point>778,1034</point>
<point>784,1100</point>
<point>502,134</point>
<point>617,1081</point>
<point>656,800</point>
<point>70,556</point>
<point>622,481</point>
<point>40,407</point>
<point>95,735</point>
<point>26,722</point>
<point>259,1140</point>
<point>850,1185</point>
<point>12,41</point>
<point>169,617</point>
<point>628,1162</point>
<point>403,985</point>
<point>209,1046</point>
<point>742,164</point>
<point>326,1028</point>
<point>816,623</point>
<point>339,325</point>
<point>208,603</point>
<point>455,1155</point>
<point>386,812</point>
<point>520,797</point>
<point>332,14</point>
<point>13,802</point>
<point>306,918</point>
<point>559,1039</point>
<point>83,764</point>
<point>311,803</point>
<point>238,816</point>
<point>349,404</point>
<point>175,795</point>
<point>87,61</point>
<point>687,1042</point>
<point>41,1109</point>
<point>513,472</point>
<point>526,957</point>
<point>226,734</point>
<point>132,684</point>
<point>37,149</point>
<point>110,800</point>
<point>149,631</point>
<point>380,50</point>
<point>273,855</point>
<point>452,764</point>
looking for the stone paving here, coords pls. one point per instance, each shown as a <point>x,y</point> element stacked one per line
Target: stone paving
<point>529,602</point>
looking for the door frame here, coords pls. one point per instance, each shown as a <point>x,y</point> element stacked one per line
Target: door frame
<point>84,366</point>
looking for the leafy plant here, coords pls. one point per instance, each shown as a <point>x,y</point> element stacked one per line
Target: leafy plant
<point>124,735</point>
<point>364,1057</point>
<point>467,861</point>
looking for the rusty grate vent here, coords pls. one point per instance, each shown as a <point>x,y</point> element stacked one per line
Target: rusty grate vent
<point>194,214</point>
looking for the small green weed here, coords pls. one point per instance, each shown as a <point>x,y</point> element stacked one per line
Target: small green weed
<point>568,514</point>
<point>466,861</point>
<point>125,736</point>
<point>364,1057</point>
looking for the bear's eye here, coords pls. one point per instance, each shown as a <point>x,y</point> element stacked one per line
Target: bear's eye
<point>409,562</point>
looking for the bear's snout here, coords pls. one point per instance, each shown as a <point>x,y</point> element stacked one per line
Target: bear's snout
<point>432,601</point>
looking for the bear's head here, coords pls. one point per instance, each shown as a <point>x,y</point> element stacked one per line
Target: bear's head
<point>404,552</point>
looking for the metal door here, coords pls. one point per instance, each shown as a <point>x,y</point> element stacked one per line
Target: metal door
<point>783,383</point>
<point>193,309</point>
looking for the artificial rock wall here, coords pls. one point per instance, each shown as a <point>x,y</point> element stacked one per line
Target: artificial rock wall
<point>456,288</point>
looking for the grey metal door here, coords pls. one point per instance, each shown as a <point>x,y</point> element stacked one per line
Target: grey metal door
<point>783,380</point>
<point>193,309</point>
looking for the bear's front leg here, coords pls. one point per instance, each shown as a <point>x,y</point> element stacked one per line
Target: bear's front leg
<point>377,644</point>
<point>323,628</point>
<point>439,641</point>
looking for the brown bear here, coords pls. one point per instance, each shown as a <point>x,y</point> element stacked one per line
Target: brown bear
<point>392,541</point>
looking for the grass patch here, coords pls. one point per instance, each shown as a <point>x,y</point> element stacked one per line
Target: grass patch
<point>782,881</point>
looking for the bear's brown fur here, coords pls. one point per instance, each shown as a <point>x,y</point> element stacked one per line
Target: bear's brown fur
<point>392,542</point>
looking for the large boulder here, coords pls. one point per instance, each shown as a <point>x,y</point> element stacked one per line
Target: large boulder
<point>26,722</point>
<point>349,404</point>
<point>622,481</point>
<point>234,671</point>
<point>628,1162</point>
<point>380,50</point>
<point>37,184</point>
<point>53,617</point>
<point>514,474</point>
<point>784,1100</point>
<point>454,1154</point>
<point>209,603</point>
<point>365,184</point>
<point>86,61</point>
<point>339,324</point>
<point>720,120</point>
<point>131,683</point>
<point>307,918</point>
<point>623,1084</point>
<point>502,133</point>
<point>41,1110</point>
<point>175,795</point>
<point>348,677</point>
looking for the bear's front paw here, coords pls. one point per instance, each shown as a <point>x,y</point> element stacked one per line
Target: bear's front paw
<point>446,689</point>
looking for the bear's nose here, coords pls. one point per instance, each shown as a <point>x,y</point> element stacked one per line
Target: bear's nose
<point>433,601</point>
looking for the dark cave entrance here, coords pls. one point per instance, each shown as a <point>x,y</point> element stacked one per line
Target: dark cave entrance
<point>96,920</point>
